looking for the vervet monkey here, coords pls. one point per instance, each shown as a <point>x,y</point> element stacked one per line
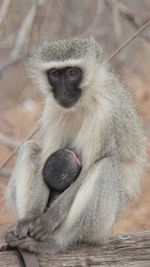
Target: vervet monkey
<point>88,110</point>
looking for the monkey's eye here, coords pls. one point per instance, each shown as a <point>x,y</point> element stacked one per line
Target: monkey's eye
<point>54,74</point>
<point>73,74</point>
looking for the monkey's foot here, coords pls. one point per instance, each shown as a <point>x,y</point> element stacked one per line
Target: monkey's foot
<point>32,245</point>
<point>41,229</point>
<point>27,243</point>
<point>23,227</point>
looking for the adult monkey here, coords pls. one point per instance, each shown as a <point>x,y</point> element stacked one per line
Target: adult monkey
<point>88,110</point>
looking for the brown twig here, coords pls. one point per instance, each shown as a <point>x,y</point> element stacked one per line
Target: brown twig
<point>118,50</point>
<point>20,50</point>
<point>5,173</point>
<point>116,19</point>
<point>4,14</point>
<point>132,18</point>
<point>22,41</point>
<point>16,149</point>
<point>8,141</point>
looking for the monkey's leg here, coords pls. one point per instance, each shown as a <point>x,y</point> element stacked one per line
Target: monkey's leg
<point>92,211</point>
<point>86,211</point>
<point>21,190</point>
<point>97,205</point>
<point>94,206</point>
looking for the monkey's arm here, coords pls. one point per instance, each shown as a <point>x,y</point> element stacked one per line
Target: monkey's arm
<point>26,191</point>
<point>25,182</point>
<point>56,213</point>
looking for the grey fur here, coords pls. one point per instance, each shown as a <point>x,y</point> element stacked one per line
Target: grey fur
<point>103,127</point>
<point>75,48</point>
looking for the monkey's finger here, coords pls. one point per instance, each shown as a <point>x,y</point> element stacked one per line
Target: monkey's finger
<point>11,239</point>
<point>36,230</point>
<point>31,227</point>
<point>37,223</point>
<point>28,244</point>
<point>41,236</point>
<point>20,232</point>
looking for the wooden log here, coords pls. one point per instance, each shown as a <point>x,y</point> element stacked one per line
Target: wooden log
<point>121,251</point>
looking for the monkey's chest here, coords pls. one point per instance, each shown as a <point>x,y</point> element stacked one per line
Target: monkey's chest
<point>82,139</point>
<point>87,151</point>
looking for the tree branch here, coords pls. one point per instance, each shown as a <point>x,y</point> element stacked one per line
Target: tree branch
<point>20,49</point>
<point>5,173</point>
<point>8,141</point>
<point>125,251</point>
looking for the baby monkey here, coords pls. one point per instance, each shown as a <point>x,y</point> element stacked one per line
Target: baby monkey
<point>60,171</point>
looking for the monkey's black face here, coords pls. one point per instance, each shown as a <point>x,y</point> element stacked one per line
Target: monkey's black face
<point>65,85</point>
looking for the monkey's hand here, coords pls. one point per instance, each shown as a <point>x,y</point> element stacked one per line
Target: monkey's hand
<point>42,228</point>
<point>30,244</point>
<point>24,226</point>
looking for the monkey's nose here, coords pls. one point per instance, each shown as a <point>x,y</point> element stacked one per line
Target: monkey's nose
<point>64,91</point>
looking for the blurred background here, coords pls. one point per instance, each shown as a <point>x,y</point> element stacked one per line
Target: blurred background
<point>29,22</point>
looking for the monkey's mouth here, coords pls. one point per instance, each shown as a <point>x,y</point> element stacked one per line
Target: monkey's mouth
<point>65,97</point>
<point>68,103</point>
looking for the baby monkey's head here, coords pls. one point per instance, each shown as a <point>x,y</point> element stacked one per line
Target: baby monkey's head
<point>61,169</point>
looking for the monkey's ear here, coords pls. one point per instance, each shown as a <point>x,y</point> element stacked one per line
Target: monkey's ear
<point>96,48</point>
<point>35,61</point>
